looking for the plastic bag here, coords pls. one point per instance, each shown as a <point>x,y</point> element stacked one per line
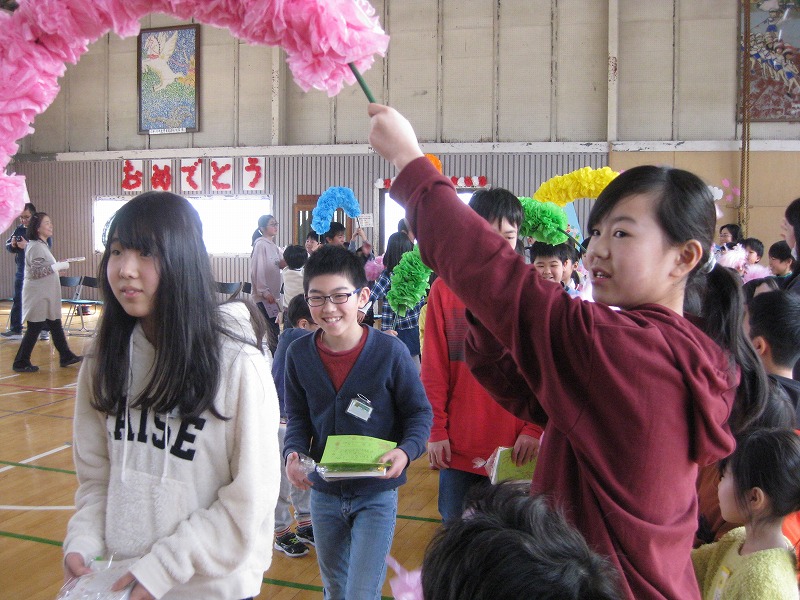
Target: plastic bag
<point>97,585</point>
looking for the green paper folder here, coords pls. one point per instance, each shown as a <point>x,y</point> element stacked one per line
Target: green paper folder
<point>347,456</point>
<point>504,468</point>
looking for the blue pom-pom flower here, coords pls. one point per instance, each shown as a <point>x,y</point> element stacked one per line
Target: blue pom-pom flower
<point>328,202</point>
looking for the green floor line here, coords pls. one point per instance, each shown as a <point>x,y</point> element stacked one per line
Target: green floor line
<point>291,584</point>
<point>29,538</point>
<point>27,466</point>
<point>425,519</point>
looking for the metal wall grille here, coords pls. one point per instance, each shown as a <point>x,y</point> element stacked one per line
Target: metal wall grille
<point>66,189</point>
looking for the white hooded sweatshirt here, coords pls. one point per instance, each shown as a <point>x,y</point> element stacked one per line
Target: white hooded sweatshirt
<point>198,511</point>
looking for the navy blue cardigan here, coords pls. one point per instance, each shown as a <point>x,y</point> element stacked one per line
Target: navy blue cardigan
<point>385,374</point>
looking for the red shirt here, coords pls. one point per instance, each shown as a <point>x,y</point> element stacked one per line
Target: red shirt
<point>339,364</point>
<point>463,411</point>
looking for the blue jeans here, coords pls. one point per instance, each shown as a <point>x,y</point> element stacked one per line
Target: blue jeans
<point>353,536</point>
<point>16,306</point>
<point>453,488</point>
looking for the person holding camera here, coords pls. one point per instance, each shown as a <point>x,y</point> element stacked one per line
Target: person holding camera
<point>16,244</point>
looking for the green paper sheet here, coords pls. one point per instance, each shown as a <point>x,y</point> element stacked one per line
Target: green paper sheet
<point>505,469</point>
<point>354,450</point>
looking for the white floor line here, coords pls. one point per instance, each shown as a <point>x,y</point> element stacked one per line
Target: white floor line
<point>9,507</point>
<point>9,376</point>
<point>17,393</point>
<point>37,457</point>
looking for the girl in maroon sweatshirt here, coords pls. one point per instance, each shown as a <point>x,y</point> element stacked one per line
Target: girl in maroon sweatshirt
<point>634,400</point>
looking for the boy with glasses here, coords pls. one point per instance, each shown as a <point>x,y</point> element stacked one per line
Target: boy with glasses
<point>349,379</point>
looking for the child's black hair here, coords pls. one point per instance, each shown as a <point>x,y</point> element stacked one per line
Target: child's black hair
<point>397,245</point>
<point>32,233</point>
<point>298,309</point>
<point>29,207</point>
<point>734,230</point>
<point>188,345</point>
<point>782,252</point>
<point>295,256</point>
<point>335,229</point>
<point>497,204</point>
<point>334,260</point>
<point>542,250</point>
<point>792,215</point>
<point>768,459</point>
<point>775,316</point>
<point>312,235</point>
<point>513,545</point>
<point>749,287</point>
<point>685,211</point>
<point>755,245</point>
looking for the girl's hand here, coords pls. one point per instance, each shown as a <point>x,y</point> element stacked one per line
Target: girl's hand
<point>74,566</point>
<point>137,593</point>
<point>525,449</point>
<point>295,472</point>
<point>392,136</point>
<point>399,460</point>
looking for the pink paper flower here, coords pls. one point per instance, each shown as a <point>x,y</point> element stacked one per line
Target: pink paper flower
<point>12,198</point>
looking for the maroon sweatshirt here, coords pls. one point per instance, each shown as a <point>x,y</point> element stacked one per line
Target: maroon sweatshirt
<point>634,400</point>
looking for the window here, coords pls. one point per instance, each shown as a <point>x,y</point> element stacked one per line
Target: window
<point>228,221</point>
<point>392,213</point>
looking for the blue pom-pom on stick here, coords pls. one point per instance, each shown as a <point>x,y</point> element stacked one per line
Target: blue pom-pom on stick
<point>328,202</point>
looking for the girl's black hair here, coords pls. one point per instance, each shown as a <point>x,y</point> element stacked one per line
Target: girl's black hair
<point>188,345</point>
<point>397,245</point>
<point>685,211</point>
<point>768,459</point>
<point>32,233</point>
<point>734,230</point>
<point>29,207</point>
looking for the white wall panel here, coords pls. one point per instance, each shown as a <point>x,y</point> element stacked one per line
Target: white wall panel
<point>255,89</point>
<point>413,65</point>
<point>468,54</point>
<point>524,71</point>
<point>123,101</point>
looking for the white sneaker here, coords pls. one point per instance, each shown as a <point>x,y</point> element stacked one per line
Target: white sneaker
<point>44,336</point>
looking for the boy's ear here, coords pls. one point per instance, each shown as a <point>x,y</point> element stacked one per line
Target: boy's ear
<point>363,296</point>
<point>760,344</point>
<point>689,255</point>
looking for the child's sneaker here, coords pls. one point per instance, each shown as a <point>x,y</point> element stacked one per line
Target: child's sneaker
<point>306,534</point>
<point>290,545</point>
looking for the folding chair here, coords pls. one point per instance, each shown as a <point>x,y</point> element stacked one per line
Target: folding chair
<point>78,305</point>
<point>230,289</point>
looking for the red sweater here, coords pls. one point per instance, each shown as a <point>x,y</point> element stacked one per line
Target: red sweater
<point>463,411</point>
<point>635,399</point>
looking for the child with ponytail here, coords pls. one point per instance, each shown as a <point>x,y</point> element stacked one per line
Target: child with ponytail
<point>633,400</point>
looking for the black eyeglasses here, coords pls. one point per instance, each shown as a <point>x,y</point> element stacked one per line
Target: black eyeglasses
<point>334,298</point>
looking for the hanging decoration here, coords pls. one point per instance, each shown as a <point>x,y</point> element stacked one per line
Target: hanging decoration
<point>474,181</point>
<point>409,282</point>
<point>582,183</point>
<point>222,174</point>
<point>328,202</point>
<point>322,39</point>
<point>435,161</point>
<point>191,174</point>
<point>132,175</point>
<point>544,221</point>
<point>161,175</point>
<point>253,174</point>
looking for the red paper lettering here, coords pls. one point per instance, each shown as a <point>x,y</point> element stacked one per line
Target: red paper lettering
<point>252,165</point>
<point>132,179</point>
<point>190,171</point>
<point>161,178</point>
<point>216,173</point>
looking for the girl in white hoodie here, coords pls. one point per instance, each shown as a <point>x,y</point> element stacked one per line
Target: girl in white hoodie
<point>176,419</point>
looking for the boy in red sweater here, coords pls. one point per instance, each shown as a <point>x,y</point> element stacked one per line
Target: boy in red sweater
<point>467,423</point>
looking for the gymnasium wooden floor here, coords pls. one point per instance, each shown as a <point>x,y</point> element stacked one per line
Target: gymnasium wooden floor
<point>37,486</point>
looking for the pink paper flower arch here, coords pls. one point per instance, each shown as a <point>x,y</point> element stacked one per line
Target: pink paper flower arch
<point>321,38</point>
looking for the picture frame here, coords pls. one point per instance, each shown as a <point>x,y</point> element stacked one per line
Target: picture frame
<point>168,64</point>
<point>773,60</point>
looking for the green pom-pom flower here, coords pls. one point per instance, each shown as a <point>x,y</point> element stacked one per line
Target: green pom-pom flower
<point>544,221</point>
<point>409,282</point>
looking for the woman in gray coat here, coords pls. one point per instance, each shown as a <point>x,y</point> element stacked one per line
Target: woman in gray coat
<point>41,296</point>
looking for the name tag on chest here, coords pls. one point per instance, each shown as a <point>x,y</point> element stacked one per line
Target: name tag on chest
<point>360,407</point>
